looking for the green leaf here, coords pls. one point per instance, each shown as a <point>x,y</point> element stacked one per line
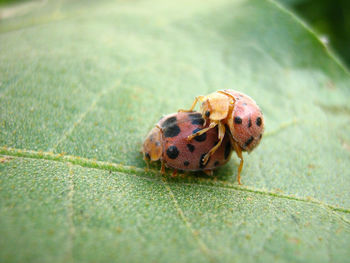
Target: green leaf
<point>83,82</point>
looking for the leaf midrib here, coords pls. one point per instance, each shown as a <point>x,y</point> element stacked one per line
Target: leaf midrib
<point>142,173</point>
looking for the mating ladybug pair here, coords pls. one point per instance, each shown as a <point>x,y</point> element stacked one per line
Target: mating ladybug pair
<point>202,141</point>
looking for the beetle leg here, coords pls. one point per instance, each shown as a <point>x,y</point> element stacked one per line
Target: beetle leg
<point>162,169</point>
<point>147,165</point>
<point>174,173</point>
<point>199,98</point>
<point>238,150</point>
<point>208,172</point>
<point>213,150</point>
<point>212,125</point>
<point>228,94</point>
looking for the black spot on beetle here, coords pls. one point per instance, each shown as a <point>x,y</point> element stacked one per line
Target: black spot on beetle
<point>198,121</point>
<point>200,138</point>
<point>169,122</point>
<point>171,131</point>
<point>249,123</point>
<point>190,147</point>
<point>172,152</point>
<point>195,115</point>
<point>201,161</point>
<point>258,121</point>
<point>216,163</point>
<point>148,157</point>
<point>238,120</point>
<point>186,163</point>
<point>207,114</point>
<point>196,118</point>
<point>249,141</point>
<point>227,150</point>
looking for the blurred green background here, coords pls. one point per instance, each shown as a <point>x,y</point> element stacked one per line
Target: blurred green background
<point>329,19</point>
<point>89,79</point>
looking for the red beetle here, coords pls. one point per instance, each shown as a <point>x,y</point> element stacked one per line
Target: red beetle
<point>167,142</point>
<point>238,112</point>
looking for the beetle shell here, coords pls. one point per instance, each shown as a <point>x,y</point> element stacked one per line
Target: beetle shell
<point>171,134</point>
<point>246,122</point>
<point>216,106</point>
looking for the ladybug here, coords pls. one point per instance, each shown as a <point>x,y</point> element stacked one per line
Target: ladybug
<point>237,112</point>
<point>167,142</point>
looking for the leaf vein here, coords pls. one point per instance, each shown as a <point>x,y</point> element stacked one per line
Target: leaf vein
<point>141,172</point>
<point>188,224</point>
<point>70,208</point>
<point>83,115</point>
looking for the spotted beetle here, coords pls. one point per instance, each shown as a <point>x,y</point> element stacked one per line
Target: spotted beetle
<point>167,142</point>
<point>237,112</point>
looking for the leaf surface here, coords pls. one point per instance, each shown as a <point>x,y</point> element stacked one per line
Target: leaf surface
<point>81,85</point>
